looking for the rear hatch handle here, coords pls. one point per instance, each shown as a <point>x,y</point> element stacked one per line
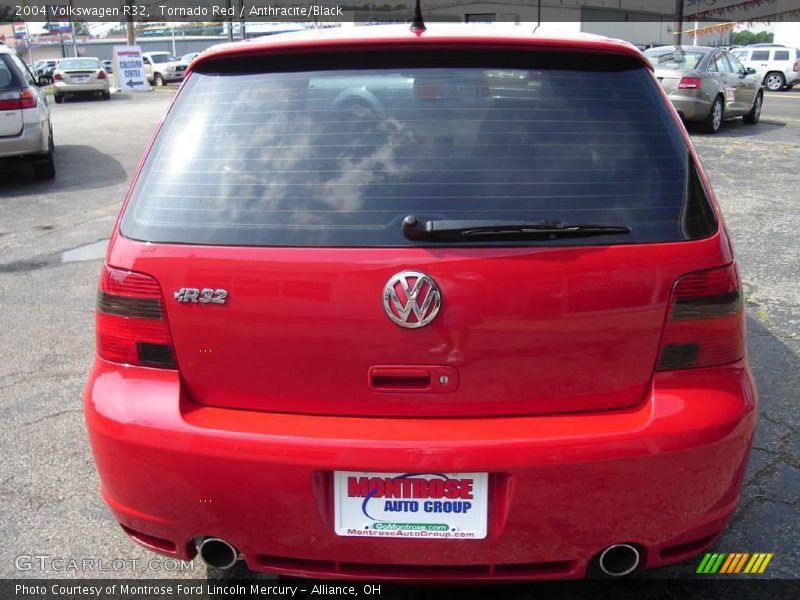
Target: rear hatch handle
<point>430,379</point>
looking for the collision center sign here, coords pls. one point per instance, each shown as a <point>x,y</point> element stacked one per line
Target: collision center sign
<point>129,69</point>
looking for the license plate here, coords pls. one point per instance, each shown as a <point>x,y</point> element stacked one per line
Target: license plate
<point>81,79</point>
<point>411,505</point>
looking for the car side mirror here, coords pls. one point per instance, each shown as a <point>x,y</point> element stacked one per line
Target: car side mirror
<point>750,71</point>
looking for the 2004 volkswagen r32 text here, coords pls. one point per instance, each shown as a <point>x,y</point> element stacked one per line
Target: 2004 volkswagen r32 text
<point>441,304</point>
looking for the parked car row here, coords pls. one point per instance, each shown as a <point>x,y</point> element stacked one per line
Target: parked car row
<point>161,67</point>
<point>25,126</point>
<point>43,69</point>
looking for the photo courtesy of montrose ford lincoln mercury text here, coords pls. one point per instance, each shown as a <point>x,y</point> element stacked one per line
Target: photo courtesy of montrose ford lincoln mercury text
<point>454,303</point>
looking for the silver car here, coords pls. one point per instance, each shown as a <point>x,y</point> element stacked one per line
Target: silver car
<point>80,76</point>
<point>25,128</point>
<point>707,85</point>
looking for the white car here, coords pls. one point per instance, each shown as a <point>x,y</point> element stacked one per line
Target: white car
<point>778,67</point>
<point>25,128</point>
<point>84,76</point>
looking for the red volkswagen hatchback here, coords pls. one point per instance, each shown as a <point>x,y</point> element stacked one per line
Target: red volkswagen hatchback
<point>431,305</point>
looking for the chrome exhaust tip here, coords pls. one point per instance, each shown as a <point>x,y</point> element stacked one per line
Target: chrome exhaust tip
<point>218,553</point>
<point>619,560</point>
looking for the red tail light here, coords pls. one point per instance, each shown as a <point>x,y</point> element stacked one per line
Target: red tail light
<point>690,83</point>
<point>706,321</point>
<point>794,67</point>
<point>57,76</point>
<point>18,99</point>
<point>27,99</point>
<point>101,74</point>
<point>131,323</point>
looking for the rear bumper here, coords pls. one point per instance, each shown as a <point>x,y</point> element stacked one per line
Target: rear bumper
<point>81,88</point>
<point>691,107</point>
<point>32,140</point>
<point>665,475</point>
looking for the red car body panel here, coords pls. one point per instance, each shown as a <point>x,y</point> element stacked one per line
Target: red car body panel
<point>577,461</point>
<point>302,327</point>
<point>665,474</point>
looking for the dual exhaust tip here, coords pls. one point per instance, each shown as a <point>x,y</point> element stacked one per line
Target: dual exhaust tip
<point>619,560</point>
<point>615,561</point>
<point>217,553</point>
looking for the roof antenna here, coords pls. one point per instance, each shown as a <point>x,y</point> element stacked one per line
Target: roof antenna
<point>418,26</point>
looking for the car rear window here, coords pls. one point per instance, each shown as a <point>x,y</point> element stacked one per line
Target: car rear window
<point>79,63</point>
<point>8,76</point>
<point>338,157</point>
<point>161,58</point>
<point>674,59</point>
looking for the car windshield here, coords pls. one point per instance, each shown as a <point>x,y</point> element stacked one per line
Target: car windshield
<point>161,58</point>
<point>340,158</point>
<point>79,63</point>
<point>671,58</point>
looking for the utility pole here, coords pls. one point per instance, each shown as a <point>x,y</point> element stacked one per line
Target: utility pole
<point>28,42</point>
<point>242,32</point>
<point>129,29</point>
<point>230,20</point>
<point>72,32</point>
<point>678,22</point>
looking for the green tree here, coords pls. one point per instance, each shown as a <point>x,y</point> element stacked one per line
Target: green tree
<point>742,38</point>
<point>764,37</point>
<point>747,37</point>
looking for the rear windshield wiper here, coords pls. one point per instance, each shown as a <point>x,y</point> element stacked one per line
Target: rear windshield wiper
<point>475,230</point>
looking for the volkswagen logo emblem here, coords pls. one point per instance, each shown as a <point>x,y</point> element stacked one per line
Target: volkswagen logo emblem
<point>411,299</point>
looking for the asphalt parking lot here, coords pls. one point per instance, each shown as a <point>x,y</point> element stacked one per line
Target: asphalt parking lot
<point>48,484</point>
